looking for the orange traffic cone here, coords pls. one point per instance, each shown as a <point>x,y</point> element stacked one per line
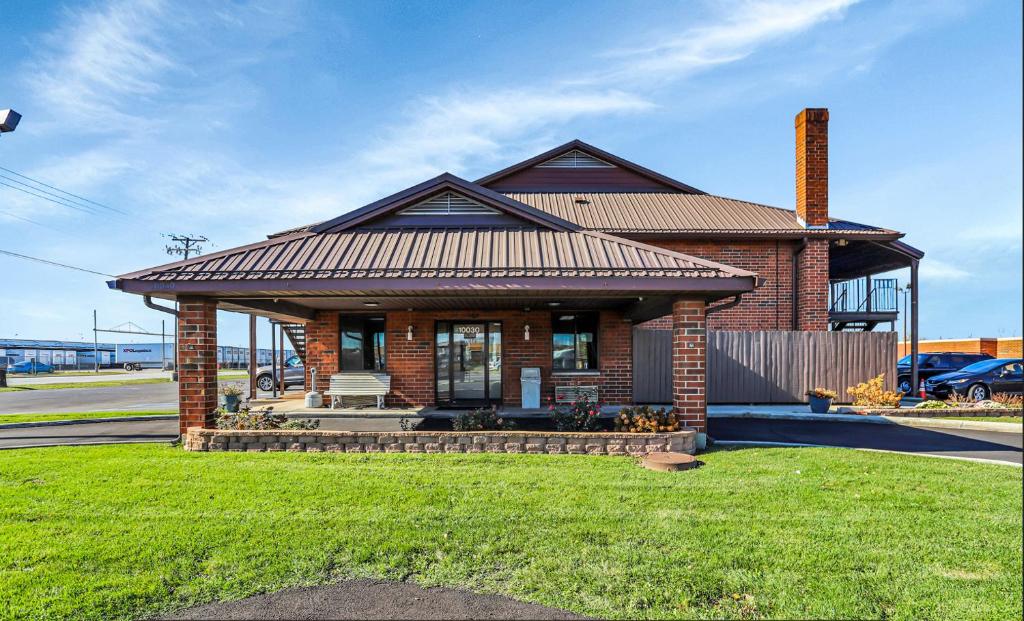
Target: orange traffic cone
<point>921,391</point>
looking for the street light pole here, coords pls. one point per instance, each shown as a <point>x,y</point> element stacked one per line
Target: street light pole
<point>8,120</point>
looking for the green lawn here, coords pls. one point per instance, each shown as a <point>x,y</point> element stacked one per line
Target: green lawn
<point>127,531</point>
<point>34,417</point>
<point>988,419</point>
<point>104,384</point>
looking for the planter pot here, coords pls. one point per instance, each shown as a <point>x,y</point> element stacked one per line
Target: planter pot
<point>819,405</point>
<point>231,403</point>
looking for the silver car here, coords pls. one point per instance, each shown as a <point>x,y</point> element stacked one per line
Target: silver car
<point>294,375</point>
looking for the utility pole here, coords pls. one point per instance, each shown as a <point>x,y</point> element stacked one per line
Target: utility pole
<point>95,344</point>
<point>184,245</point>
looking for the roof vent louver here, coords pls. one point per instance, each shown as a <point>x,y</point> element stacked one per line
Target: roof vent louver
<point>448,204</point>
<point>575,159</point>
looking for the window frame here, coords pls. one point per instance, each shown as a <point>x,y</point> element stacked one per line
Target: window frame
<point>344,320</point>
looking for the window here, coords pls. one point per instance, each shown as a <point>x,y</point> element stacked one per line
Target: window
<point>574,345</point>
<point>293,362</point>
<point>362,344</point>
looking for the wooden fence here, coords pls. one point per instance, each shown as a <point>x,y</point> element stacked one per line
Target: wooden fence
<point>767,366</point>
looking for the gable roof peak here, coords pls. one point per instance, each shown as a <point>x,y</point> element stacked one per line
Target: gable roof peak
<point>600,154</point>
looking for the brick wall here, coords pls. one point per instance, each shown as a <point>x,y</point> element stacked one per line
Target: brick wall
<point>689,351</point>
<point>812,166</point>
<point>997,348</point>
<point>411,362</point>
<point>197,362</point>
<point>770,307</point>
<point>812,291</point>
<point>322,343</point>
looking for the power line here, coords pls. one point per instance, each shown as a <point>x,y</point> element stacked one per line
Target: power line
<point>61,202</point>
<point>30,221</point>
<point>48,262</point>
<point>63,191</point>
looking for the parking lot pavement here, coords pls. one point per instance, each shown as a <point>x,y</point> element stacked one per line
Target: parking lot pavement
<point>960,443</point>
<point>90,433</point>
<point>57,378</point>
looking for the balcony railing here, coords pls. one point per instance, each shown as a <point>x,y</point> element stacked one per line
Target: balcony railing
<point>858,296</point>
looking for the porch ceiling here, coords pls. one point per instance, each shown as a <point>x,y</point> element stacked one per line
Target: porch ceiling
<point>863,258</point>
<point>301,309</point>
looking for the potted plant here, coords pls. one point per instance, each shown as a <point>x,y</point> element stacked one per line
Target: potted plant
<point>232,397</point>
<point>821,399</point>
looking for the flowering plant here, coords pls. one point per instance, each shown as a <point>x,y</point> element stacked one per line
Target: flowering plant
<point>822,393</point>
<point>580,415</point>
<point>645,419</point>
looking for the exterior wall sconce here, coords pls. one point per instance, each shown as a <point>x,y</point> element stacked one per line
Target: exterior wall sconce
<point>408,334</point>
<point>526,332</point>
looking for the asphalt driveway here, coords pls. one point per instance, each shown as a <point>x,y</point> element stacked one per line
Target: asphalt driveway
<point>90,433</point>
<point>961,443</point>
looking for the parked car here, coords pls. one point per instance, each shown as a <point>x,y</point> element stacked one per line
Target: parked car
<point>932,364</point>
<point>980,380</point>
<point>30,366</point>
<point>294,374</point>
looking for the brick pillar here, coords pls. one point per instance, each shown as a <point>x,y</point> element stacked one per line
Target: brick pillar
<point>812,294</point>
<point>689,351</point>
<point>197,362</point>
<point>323,339</point>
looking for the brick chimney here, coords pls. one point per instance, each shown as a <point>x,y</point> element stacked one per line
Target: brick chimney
<point>812,167</point>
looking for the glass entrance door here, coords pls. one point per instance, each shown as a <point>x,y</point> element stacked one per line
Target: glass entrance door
<point>468,363</point>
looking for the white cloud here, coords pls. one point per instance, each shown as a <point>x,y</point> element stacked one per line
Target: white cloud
<point>737,35</point>
<point>938,270</point>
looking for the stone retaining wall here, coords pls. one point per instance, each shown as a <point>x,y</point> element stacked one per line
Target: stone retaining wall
<point>554,443</point>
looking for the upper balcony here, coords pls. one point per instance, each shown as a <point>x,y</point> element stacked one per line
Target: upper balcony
<point>863,303</point>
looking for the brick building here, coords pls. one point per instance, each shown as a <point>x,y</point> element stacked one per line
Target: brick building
<point>451,287</point>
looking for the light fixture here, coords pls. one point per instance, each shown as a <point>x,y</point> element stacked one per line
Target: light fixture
<point>526,332</point>
<point>841,243</point>
<point>554,303</point>
<point>408,334</point>
<point>371,304</point>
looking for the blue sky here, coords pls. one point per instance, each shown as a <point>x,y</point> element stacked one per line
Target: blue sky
<point>237,119</point>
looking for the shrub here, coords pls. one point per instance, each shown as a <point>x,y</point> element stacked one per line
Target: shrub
<point>302,424</point>
<point>956,400</point>
<point>988,404</point>
<point>645,419</point>
<point>580,415</point>
<point>247,419</point>
<point>481,419</point>
<point>822,393</point>
<point>931,405</point>
<point>231,390</point>
<point>1014,402</point>
<point>873,393</point>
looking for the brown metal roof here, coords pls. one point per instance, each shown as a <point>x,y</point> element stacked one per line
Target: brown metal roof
<point>439,253</point>
<point>665,212</point>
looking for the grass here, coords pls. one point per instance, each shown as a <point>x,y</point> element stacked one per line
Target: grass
<point>136,530</point>
<point>36,417</point>
<point>988,419</point>
<point>108,384</point>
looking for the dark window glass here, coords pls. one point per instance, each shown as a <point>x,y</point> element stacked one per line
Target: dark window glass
<point>443,362</point>
<point>362,344</point>
<point>574,341</point>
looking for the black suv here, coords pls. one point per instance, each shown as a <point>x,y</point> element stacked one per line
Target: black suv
<point>931,364</point>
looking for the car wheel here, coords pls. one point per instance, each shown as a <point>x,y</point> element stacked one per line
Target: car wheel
<point>978,392</point>
<point>905,386</point>
<point>265,383</point>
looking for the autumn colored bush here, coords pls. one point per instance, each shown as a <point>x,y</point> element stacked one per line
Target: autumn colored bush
<point>873,393</point>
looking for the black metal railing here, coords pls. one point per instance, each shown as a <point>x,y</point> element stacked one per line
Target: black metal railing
<point>855,296</point>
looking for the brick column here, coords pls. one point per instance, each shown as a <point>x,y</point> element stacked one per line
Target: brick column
<point>197,362</point>
<point>689,350</point>
<point>323,339</point>
<point>812,294</point>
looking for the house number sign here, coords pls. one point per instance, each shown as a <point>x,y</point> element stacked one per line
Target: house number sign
<point>467,329</point>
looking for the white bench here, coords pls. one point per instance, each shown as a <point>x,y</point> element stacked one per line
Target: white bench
<point>359,385</point>
<point>568,394</point>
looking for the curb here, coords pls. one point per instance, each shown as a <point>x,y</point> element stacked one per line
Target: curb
<point>769,444</point>
<point>82,421</point>
<point>927,423</point>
